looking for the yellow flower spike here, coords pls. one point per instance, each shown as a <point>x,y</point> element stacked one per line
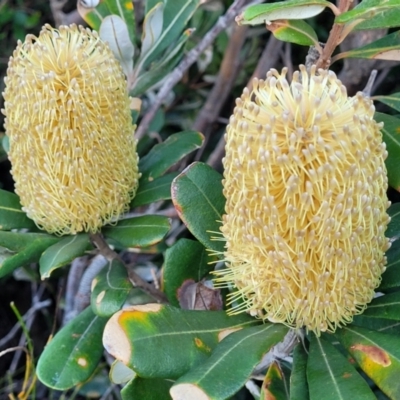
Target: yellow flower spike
<point>72,149</point>
<point>305,183</point>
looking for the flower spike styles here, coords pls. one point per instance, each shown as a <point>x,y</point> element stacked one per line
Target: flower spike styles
<point>72,150</point>
<point>305,183</point>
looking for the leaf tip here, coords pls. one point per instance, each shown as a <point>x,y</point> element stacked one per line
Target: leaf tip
<point>184,391</point>
<point>115,340</point>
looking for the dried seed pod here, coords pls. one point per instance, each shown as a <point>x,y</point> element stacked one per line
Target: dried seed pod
<point>305,183</point>
<point>72,150</point>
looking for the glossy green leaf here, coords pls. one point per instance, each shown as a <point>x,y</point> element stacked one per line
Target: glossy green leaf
<point>73,354</point>
<point>331,376</point>
<point>290,9</point>
<point>63,253</point>
<point>391,277</point>
<point>387,306</point>
<point>377,324</point>
<point>298,378</point>
<point>293,31</point>
<point>164,155</point>
<point>378,355</point>
<point>139,231</point>
<point>391,136</point>
<point>393,229</point>
<point>175,17</point>
<point>392,100</point>
<point>162,68</point>
<point>11,214</point>
<point>230,365</point>
<point>386,48</point>
<point>124,9</point>
<point>186,259</point>
<point>198,199</point>
<point>110,289</point>
<point>94,15</point>
<point>20,249</point>
<point>275,385</point>
<point>159,341</point>
<point>150,192</point>
<point>147,389</point>
<point>372,14</point>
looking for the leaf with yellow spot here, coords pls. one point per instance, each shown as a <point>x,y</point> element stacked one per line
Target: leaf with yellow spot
<point>230,364</point>
<point>275,385</point>
<point>159,341</point>
<point>330,375</point>
<point>110,289</point>
<point>293,31</point>
<point>124,9</point>
<point>73,354</point>
<point>378,355</point>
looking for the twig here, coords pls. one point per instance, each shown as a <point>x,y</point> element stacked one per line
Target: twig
<point>280,351</point>
<point>335,36</point>
<point>135,279</point>
<point>177,74</point>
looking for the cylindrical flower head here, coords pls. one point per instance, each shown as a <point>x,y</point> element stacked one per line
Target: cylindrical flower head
<point>68,119</point>
<point>305,183</point>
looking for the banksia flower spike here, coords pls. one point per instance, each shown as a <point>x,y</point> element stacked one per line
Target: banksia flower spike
<point>305,183</point>
<point>68,119</point>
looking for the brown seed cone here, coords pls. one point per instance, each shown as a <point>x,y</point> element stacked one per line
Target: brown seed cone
<point>72,150</point>
<point>305,183</point>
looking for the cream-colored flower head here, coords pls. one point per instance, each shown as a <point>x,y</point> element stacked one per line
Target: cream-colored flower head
<point>305,183</point>
<point>68,119</point>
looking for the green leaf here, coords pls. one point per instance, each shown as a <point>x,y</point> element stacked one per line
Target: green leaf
<point>198,199</point>
<point>391,136</point>
<point>391,277</point>
<point>331,376</point>
<point>159,341</point>
<point>293,31</point>
<point>164,155</point>
<point>110,289</point>
<point>186,259</point>
<point>139,231</point>
<point>387,306</point>
<point>63,253</point>
<point>377,324</point>
<point>152,27</point>
<point>378,355</point>
<point>176,15</point>
<point>120,373</point>
<point>393,100</point>
<point>386,48</point>
<point>230,364</point>
<point>274,385</point>
<point>372,14</point>
<point>291,9</point>
<point>20,249</point>
<point>94,15</point>
<point>150,192</point>
<point>115,32</point>
<point>124,9</point>
<point>298,378</point>
<point>162,68</point>
<point>11,214</point>
<point>74,353</point>
<point>147,389</point>
<point>393,229</point>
